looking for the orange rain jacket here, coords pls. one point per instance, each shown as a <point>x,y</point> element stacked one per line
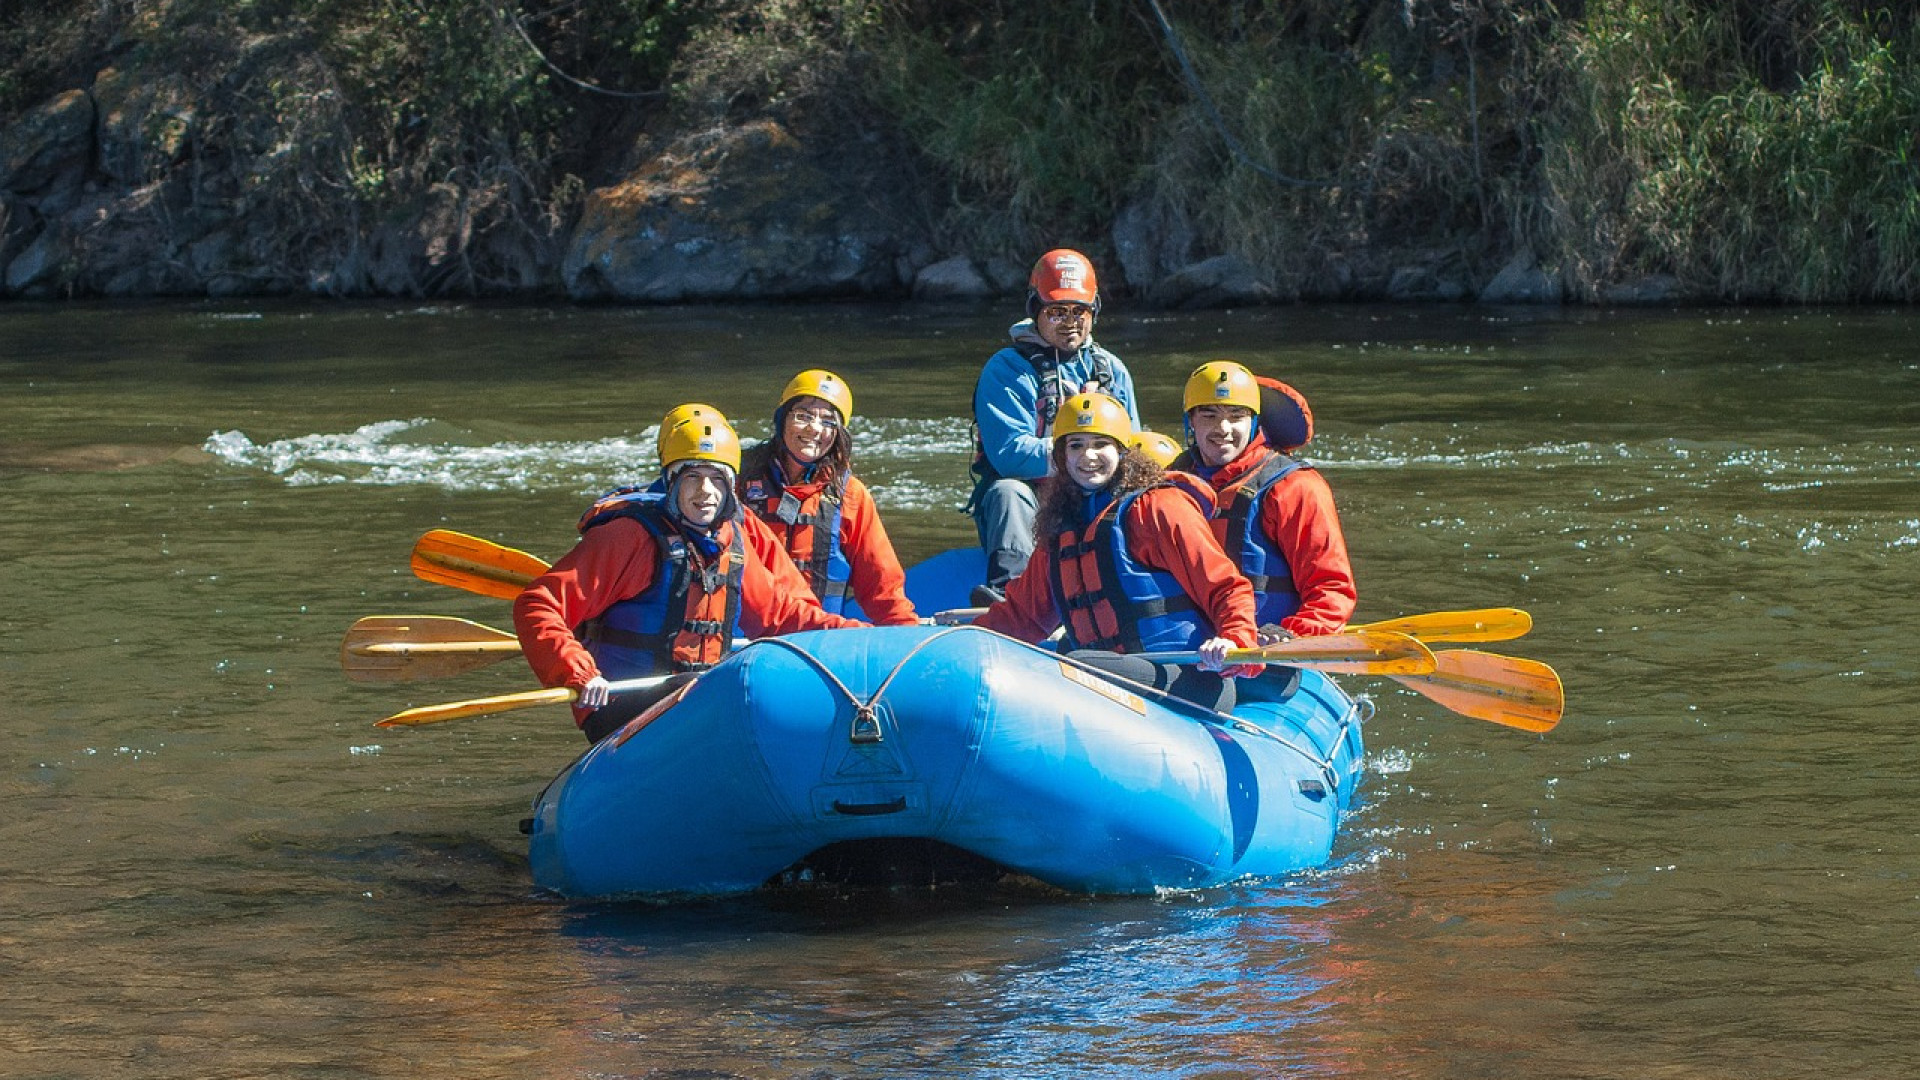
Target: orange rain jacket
<point>618,560</point>
<point>1298,515</point>
<point>876,579</point>
<point>1164,529</point>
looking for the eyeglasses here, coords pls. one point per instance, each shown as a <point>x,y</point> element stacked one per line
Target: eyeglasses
<point>1065,313</point>
<point>825,421</point>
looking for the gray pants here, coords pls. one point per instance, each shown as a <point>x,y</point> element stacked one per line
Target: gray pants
<point>1206,689</point>
<point>1003,516</point>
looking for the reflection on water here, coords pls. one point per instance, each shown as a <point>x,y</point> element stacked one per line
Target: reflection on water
<point>213,865</point>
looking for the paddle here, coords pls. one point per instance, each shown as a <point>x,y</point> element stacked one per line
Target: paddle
<point>526,699</point>
<point>1519,693</point>
<point>405,648</point>
<point>402,648</point>
<point>478,566</point>
<point>1480,624</point>
<point>1354,653</point>
<point>1509,690</point>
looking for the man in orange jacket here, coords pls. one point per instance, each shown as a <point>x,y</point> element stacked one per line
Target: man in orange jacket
<point>1275,515</point>
<point>662,582</point>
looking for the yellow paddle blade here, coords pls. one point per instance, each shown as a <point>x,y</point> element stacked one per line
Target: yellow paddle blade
<point>403,648</point>
<point>439,714</point>
<point>1510,690</point>
<point>1480,624</point>
<point>1356,652</point>
<point>558,695</point>
<point>479,566</point>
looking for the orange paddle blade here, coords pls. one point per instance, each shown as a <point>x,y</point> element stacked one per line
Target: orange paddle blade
<point>402,648</point>
<point>1480,624</point>
<point>479,566</point>
<point>1356,652</point>
<point>1351,653</point>
<point>1519,693</point>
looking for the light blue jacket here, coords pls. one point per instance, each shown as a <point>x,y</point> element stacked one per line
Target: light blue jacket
<point>1006,400</point>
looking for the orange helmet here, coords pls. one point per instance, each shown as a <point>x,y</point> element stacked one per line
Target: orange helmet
<point>1064,275</point>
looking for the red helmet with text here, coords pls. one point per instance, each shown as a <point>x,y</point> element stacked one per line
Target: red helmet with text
<point>1064,276</point>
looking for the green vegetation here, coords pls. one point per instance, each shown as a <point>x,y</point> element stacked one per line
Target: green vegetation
<point>1753,149</point>
<point>1769,154</point>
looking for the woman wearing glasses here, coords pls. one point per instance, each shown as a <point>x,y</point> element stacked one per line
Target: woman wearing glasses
<point>801,483</point>
<point>1051,357</point>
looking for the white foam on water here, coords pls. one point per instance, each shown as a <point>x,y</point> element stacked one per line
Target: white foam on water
<point>396,453</point>
<point>920,464</point>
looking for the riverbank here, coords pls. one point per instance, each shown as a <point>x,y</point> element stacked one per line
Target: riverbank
<point>1204,155</point>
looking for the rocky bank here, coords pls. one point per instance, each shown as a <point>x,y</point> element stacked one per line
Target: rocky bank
<point>144,184</point>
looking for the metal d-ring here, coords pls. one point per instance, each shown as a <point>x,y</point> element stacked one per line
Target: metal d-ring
<point>866,718</point>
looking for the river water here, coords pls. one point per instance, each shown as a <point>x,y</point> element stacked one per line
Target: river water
<point>212,865</point>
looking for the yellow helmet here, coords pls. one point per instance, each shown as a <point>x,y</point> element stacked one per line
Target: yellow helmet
<point>1156,446</point>
<point>700,437</point>
<point>678,413</point>
<point>1094,414</point>
<point>1221,382</point>
<point>824,385</point>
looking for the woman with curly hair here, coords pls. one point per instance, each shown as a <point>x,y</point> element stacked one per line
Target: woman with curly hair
<point>1125,561</point>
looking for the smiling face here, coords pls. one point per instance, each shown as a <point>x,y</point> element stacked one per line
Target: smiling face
<point>811,426</point>
<point>1065,326</point>
<point>1090,460</point>
<point>699,492</point>
<point>1221,432</point>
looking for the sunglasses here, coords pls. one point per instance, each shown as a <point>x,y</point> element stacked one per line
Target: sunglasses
<point>825,421</point>
<point>1063,313</point>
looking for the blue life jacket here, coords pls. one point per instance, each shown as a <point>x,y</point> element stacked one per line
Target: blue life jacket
<point>1049,394</point>
<point>687,618</point>
<point>1274,594</point>
<point>1109,600</point>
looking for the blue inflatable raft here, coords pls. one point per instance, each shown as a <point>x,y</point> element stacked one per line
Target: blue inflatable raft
<point>956,737</point>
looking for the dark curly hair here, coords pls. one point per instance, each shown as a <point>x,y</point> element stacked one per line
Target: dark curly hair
<point>1060,501</point>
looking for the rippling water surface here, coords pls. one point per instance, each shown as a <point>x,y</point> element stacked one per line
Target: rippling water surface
<point>212,865</point>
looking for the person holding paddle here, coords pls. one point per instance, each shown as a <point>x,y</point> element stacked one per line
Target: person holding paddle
<point>800,483</point>
<point>1275,515</point>
<point>1052,356</point>
<point>661,582</point>
<point>1125,560</point>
